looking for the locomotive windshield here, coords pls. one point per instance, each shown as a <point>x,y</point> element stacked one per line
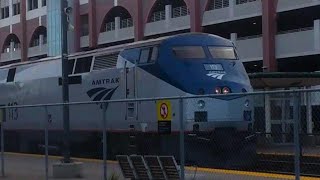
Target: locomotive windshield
<point>223,53</point>
<point>197,52</point>
<point>187,52</point>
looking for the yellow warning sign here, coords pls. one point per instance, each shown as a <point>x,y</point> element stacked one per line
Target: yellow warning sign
<point>164,110</point>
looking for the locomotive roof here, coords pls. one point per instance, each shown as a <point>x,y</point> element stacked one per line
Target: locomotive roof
<point>95,51</point>
<point>106,50</point>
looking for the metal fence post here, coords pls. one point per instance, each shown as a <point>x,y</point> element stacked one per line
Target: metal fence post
<point>2,145</point>
<point>296,117</point>
<point>104,144</point>
<point>182,174</point>
<point>46,139</point>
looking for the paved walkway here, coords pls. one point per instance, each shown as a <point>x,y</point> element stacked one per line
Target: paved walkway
<point>32,167</point>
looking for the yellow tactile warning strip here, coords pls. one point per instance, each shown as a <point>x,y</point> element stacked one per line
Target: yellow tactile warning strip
<point>247,173</point>
<point>199,169</point>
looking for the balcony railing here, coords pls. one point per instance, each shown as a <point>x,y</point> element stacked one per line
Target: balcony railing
<point>12,55</point>
<point>244,1</point>
<point>110,26</point>
<point>38,50</point>
<point>180,11</point>
<point>218,4</point>
<point>125,23</point>
<point>278,33</point>
<point>158,16</point>
<point>250,37</point>
<point>295,30</point>
<point>15,47</point>
<point>37,42</point>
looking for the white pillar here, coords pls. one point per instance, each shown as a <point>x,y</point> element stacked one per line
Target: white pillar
<point>11,49</point>
<point>309,113</point>
<point>39,3</point>
<point>117,26</point>
<point>10,8</point>
<point>233,38</point>
<point>117,22</point>
<point>11,46</point>
<point>231,8</point>
<point>41,36</point>
<point>316,28</point>
<point>168,14</point>
<point>267,113</point>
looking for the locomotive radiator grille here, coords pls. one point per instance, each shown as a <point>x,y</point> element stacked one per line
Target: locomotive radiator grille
<point>106,61</point>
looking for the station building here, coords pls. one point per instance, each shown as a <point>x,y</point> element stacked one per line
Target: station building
<point>270,35</point>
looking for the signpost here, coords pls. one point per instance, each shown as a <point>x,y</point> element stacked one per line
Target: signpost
<point>2,119</point>
<point>65,82</point>
<point>164,113</point>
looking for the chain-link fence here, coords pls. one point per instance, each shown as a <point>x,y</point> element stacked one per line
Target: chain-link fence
<point>194,137</point>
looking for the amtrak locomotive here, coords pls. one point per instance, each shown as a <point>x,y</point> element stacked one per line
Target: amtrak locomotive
<point>216,128</point>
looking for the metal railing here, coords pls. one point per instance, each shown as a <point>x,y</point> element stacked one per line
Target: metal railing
<point>125,23</point>
<point>249,37</point>
<point>278,33</point>
<point>296,30</point>
<point>218,4</point>
<point>110,26</point>
<point>16,47</point>
<point>179,114</point>
<point>180,11</point>
<point>245,1</point>
<point>158,16</point>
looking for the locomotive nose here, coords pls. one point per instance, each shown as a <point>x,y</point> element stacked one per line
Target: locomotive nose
<point>212,113</point>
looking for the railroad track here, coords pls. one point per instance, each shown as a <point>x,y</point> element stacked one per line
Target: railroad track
<point>285,164</point>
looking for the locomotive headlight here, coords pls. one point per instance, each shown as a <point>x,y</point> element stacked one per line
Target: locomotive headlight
<point>247,103</point>
<point>201,104</point>
<point>217,90</point>
<point>225,90</point>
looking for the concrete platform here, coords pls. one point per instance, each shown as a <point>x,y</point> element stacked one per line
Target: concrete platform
<point>32,167</point>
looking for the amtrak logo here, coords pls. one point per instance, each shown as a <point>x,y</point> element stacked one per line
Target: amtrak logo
<point>101,94</point>
<point>216,75</point>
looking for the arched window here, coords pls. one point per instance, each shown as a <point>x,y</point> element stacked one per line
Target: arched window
<point>179,8</point>
<point>39,37</point>
<point>11,44</point>
<point>109,23</point>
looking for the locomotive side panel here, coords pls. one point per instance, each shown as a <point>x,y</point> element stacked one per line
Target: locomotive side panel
<point>150,86</point>
<point>96,86</point>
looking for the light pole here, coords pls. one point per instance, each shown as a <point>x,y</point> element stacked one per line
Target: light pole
<point>65,82</point>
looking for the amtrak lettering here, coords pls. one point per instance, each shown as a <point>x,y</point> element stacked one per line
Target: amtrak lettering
<point>105,81</point>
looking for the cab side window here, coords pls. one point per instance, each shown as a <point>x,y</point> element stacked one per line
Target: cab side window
<point>70,65</point>
<point>148,55</point>
<point>11,74</point>
<point>83,65</point>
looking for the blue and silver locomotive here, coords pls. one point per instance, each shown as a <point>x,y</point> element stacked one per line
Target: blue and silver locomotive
<point>181,65</point>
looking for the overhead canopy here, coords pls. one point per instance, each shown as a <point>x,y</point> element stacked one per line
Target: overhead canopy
<point>284,79</point>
